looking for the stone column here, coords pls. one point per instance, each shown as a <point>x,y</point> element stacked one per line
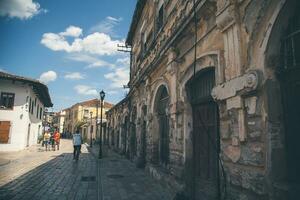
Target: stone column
<point>227,19</point>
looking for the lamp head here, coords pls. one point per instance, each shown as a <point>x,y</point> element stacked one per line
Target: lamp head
<point>102,95</point>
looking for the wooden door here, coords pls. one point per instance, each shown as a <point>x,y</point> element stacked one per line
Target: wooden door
<point>205,143</point>
<point>205,136</point>
<point>4,131</point>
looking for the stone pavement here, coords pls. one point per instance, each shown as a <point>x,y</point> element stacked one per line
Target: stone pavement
<point>121,180</point>
<point>36,174</point>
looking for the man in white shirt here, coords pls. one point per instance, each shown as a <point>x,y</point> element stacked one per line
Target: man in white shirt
<point>77,141</point>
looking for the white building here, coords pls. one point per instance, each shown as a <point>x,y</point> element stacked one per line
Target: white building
<point>22,104</point>
<point>59,120</point>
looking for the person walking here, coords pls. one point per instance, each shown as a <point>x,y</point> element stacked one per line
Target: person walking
<point>46,140</point>
<point>77,141</point>
<point>52,142</point>
<point>57,139</point>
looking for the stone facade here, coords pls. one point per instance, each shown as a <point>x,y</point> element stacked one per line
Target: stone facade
<point>240,42</point>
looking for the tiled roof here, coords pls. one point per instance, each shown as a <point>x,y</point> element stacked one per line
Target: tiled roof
<point>39,88</point>
<point>93,102</point>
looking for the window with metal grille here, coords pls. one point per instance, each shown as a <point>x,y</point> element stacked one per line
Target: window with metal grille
<point>291,45</point>
<point>7,100</point>
<point>205,81</point>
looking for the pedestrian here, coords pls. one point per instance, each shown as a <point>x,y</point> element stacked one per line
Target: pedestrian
<point>77,141</point>
<point>52,142</point>
<point>46,139</point>
<point>56,139</point>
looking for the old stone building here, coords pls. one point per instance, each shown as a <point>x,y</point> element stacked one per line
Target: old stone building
<point>214,97</point>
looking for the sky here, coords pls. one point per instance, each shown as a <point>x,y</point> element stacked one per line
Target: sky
<point>70,45</point>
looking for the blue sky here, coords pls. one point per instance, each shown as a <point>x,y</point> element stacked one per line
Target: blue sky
<point>68,44</point>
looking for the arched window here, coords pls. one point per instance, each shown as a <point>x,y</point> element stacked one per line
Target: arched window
<point>161,105</point>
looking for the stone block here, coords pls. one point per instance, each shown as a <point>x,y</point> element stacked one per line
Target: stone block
<point>235,141</point>
<point>233,153</point>
<point>249,179</point>
<point>250,104</point>
<point>234,102</point>
<point>237,86</point>
<point>255,135</point>
<point>242,126</point>
<point>225,129</point>
<point>252,154</point>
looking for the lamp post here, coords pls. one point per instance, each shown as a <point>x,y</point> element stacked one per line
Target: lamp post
<point>91,130</point>
<point>102,95</point>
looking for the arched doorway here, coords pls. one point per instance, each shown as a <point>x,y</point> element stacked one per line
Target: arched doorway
<point>125,133</point>
<point>143,139</point>
<point>113,137</point>
<point>133,141</point>
<point>161,106</point>
<point>205,136</point>
<point>289,76</point>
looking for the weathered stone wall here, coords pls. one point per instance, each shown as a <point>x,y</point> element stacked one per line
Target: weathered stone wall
<point>240,40</point>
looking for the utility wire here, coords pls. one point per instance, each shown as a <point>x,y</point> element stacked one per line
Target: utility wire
<point>202,123</point>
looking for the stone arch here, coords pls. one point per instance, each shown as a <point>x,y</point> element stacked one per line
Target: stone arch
<point>119,140</point>
<point>132,132</point>
<point>143,137</point>
<point>157,85</point>
<point>281,95</point>
<point>160,126</point>
<point>205,61</point>
<point>262,40</point>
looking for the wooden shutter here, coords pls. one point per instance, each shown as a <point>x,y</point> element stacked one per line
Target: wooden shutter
<point>4,131</point>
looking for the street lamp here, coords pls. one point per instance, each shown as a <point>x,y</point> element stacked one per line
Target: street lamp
<point>102,95</point>
<point>91,130</point>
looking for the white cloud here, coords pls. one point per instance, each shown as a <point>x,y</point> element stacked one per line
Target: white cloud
<point>23,9</point>
<point>124,61</point>
<point>100,43</point>
<point>85,90</point>
<point>72,31</point>
<point>74,76</point>
<point>114,19</point>
<point>107,25</point>
<point>95,43</point>
<point>92,61</point>
<point>48,76</point>
<point>112,92</point>
<point>57,42</point>
<point>119,77</point>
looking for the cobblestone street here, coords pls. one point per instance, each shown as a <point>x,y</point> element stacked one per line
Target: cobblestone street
<point>37,174</point>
